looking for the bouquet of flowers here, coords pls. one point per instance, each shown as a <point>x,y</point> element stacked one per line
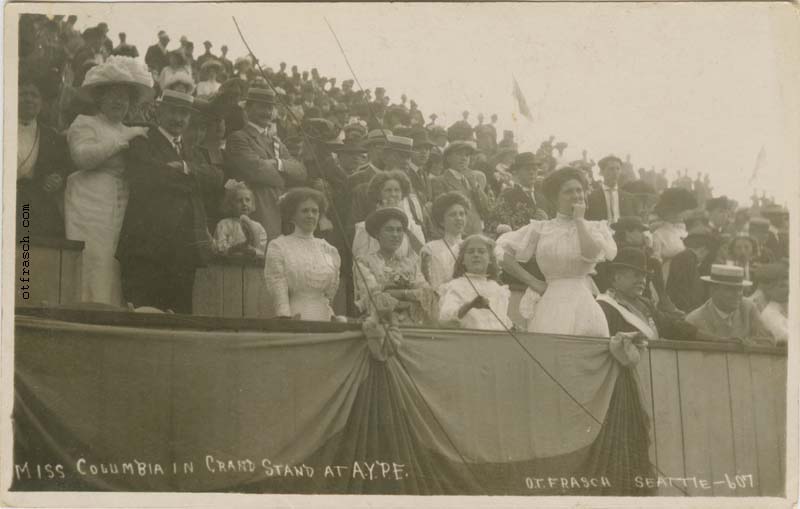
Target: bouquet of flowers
<point>398,281</point>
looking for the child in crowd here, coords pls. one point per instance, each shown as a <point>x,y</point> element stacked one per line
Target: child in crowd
<point>476,268</point>
<point>237,233</point>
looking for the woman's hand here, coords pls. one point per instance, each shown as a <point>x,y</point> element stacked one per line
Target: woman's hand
<point>479,302</point>
<point>578,211</point>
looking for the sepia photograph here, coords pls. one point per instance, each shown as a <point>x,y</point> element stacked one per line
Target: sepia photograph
<point>542,252</point>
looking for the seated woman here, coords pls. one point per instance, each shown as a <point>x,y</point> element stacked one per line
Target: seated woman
<point>476,269</point>
<point>390,272</point>
<point>388,189</point>
<point>302,271</point>
<point>628,310</point>
<point>438,257</point>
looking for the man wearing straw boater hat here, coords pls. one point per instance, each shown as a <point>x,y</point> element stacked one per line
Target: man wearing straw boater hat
<point>262,161</point>
<point>164,232</point>
<point>726,313</point>
<point>374,143</point>
<point>627,309</point>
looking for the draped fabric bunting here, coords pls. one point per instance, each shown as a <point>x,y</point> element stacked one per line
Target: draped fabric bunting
<point>453,412</point>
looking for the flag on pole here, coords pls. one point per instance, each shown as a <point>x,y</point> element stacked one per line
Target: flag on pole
<point>761,162</point>
<point>522,104</point>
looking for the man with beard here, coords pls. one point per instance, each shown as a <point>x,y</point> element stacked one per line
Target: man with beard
<point>164,236</point>
<point>262,161</point>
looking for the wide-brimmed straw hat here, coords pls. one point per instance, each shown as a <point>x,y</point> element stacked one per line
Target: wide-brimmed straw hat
<point>728,275</point>
<point>118,70</point>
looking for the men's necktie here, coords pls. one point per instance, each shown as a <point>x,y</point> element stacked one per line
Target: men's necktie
<point>176,142</point>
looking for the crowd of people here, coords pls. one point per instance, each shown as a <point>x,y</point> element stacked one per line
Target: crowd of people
<point>158,164</point>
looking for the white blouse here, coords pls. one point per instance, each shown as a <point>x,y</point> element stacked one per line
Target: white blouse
<point>302,276</point>
<point>459,291</point>
<point>229,233</point>
<point>668,240</point>
<point>438,259</point>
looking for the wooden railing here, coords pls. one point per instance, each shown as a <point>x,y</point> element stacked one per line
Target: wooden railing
<point>53,269</point>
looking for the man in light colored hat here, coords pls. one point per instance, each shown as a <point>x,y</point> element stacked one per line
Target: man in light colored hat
<point>164,236</point>
<point>262,161</point>
<point>374,143</point>
<point>726,313</point>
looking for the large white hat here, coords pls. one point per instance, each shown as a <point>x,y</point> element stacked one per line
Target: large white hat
<point>119,70</point>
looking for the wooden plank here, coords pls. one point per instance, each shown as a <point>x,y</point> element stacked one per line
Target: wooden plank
<point>232,291</point>
<point>720,431</point>
<point>257,303</point>
<point>743,421</point>
<point>769,471</point>
<point>71,264</point>
<point>692,381</point>
<point>646,390</point>
<point>45,268</point>
<point>779,376</point>
<point>667,416</point>
<point>207,292</point>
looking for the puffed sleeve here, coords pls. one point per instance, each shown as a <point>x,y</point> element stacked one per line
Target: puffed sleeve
<point>275,277</point>
<point>452,299</point>
<point>603,236</point>
<point>87,148</point>
<point>223,237</point>
<point>521,243</point>
<point>360,241</point>
<point>259,235</point>
<point>335,260</point>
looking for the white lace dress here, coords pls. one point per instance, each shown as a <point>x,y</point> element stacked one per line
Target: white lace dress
<point>95,199</point>
<point>567,306</point>
<point>459,291</point>
<point>302,276</point>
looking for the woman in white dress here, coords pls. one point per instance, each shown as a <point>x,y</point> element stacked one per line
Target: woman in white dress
<point>96,195</point>
<point>567,248</point>
<point>438,257</point>
<point>461,305</point>
<point>388,189</point>
<point>302,271</point>
<point>668,233</point>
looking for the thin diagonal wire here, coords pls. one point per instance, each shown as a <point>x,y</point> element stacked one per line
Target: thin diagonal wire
<point>472,284</point>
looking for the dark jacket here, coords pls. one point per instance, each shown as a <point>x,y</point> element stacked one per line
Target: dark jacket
<point>252,157</point>
<point>165,220</point>
<point>46,217</point>
<point>516,208</point>
<point>668,327</point>
<point>479,201</point>
<point>155,58</point>
<point>684,286</point>
<point>597,208</point>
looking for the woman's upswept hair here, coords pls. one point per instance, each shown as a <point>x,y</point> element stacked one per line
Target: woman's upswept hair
<point>375,185</point>
<point>492,272</point>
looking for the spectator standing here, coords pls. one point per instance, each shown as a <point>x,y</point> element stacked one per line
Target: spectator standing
<point>43,161</point>
<point>262,161</point>
<point>96,196</point>
<point>684,286</point>
<point>608,201</point>
<point>207,55</point>
<point>157,56</point>
<point>124,49</point>
<point>668,234</point>
<point>457,176</point>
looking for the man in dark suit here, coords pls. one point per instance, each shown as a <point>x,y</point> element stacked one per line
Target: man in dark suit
<point>607,201</point>
<point>457,176</point>
<point>358,182</point>
<point>684,286</point>
<point>43,163</point>
<point>156,57</point>
<point>262,161</point>
<point>517,205</point>
<point>164,235</point>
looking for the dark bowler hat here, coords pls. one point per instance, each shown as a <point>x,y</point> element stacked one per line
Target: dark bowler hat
<point>728,275</point>
<point>260,95</point>
<point>380,217</point>
<point>177,100</point>
<point>630,258</point>
<point>399,144</point>
<point>524,160</point>
<point>420,137</point>
<point>629,223</point>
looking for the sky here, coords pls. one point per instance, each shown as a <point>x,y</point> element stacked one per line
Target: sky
<point>699,87</point>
